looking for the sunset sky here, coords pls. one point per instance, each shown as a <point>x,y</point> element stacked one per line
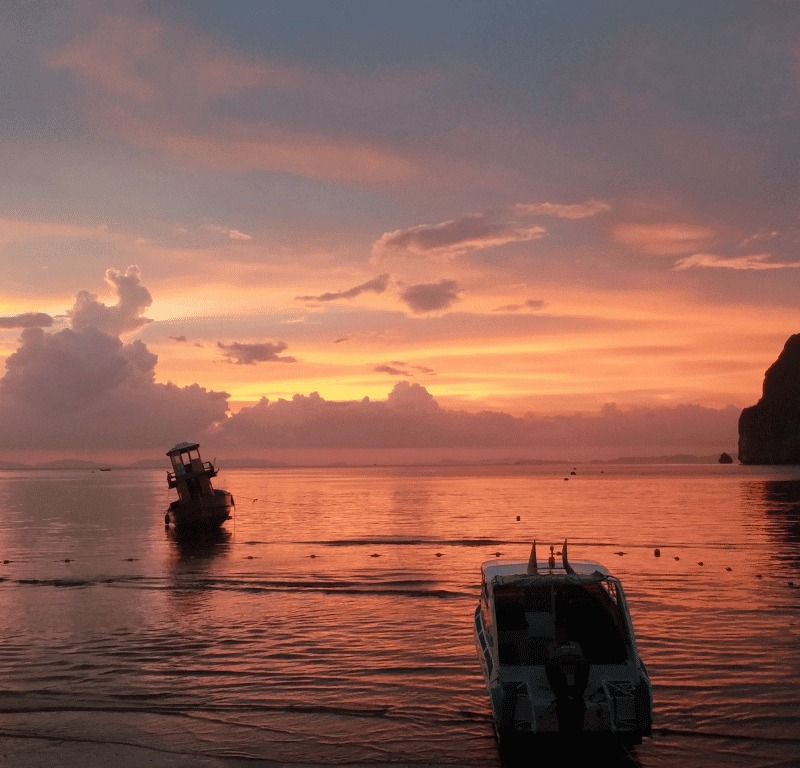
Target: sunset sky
<point>528,229</point>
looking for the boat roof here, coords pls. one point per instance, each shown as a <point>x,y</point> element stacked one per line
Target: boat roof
<point>182,448</point>
<point>511,570</point>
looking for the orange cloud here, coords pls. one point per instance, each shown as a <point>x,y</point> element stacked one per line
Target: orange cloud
<point>663,239</point>
<point>576,211</point>
<point>153,89</point>
<point>109,56</point>
<point>750,261</point>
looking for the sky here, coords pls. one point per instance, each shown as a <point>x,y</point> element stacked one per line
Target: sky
<point>373,231</point>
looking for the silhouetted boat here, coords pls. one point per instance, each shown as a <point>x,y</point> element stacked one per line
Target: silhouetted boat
<point>558,652</point>
<point>198,503</point>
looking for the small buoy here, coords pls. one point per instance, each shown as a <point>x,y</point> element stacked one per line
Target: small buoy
<point>791,583</point>
<point>6,562</point>
<point>620,553</point>
<point>438,554</point>
<point>518,518</point>
<point>375,555</point>
<point>566,478</point>
<point>657,552</point>
<point>496,554</point>
<point>312,556</point>
<point>67,560</point>
<point>249,557</point>
<point>699,562</point>
<point>676,557</point>
<point>729,569</point>
<point>758,576</point>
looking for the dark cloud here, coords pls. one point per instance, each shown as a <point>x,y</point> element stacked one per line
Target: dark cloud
<point>399,368</point>
<point>453,238</point>
<point>177,338</point>
<point>27,320</point>
<point>528,304</point>
<point>376,285</point>
<point>392,370</point>
<point>431,297</point>
<point>250,354</point>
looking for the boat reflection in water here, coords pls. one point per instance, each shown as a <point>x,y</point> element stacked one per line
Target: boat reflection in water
<point>198,505</point>
<point>558,652</point>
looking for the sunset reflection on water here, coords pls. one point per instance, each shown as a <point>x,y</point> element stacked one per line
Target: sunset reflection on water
<point>329,620</point>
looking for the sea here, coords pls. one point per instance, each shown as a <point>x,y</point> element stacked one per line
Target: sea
<point>329,622</point>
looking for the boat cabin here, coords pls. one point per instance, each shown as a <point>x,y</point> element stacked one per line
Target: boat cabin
<point>530,613</point>
<point>191,476</point>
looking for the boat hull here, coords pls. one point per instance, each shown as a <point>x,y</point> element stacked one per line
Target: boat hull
<point>205,512</point>
<point>617,703</point>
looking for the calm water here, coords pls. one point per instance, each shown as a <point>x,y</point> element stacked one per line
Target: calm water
<point>330,622</point>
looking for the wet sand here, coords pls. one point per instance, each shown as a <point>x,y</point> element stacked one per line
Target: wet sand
<point>31,752</point>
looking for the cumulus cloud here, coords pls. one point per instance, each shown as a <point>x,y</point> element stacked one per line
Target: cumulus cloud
<point>27,320</point>
<point>250,354</point>
<point>453,238</point>
<point>431,297</point>
<point>527,304</point>
<point>575,211</point>
<point>758,261</point>
<point>125,316</point>
<point>376,285</point>
<point>410,417</point>
<point>82,388</point>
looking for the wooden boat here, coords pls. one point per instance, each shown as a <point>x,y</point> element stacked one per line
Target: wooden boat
<point>558,652</point>
<point>198,503</point>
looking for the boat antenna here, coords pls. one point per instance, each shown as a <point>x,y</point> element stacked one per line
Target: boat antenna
<point>567,567</point>
<point>532,569</point>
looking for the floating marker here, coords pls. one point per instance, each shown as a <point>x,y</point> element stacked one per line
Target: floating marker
<point>657,552</point>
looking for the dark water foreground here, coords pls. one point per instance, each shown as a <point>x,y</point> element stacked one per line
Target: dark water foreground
<point>329,623</point>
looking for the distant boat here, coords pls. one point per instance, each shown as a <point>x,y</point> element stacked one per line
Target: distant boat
<point>198,503</point>
<point>104,469</point>
<point>558,653</point>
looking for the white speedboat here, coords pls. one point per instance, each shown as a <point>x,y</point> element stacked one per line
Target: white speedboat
<point>198,503</point>
<point>558,653</point>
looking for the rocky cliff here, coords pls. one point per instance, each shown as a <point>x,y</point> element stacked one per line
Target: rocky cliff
<point>769,431</point>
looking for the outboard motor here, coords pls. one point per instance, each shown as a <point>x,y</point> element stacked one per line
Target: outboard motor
<point>568,675</point>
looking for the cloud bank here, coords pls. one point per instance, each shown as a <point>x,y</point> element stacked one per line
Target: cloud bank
<point>411,418</point>
<point>84,389</point>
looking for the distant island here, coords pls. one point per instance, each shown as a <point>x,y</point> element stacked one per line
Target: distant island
<point>247,463</point>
